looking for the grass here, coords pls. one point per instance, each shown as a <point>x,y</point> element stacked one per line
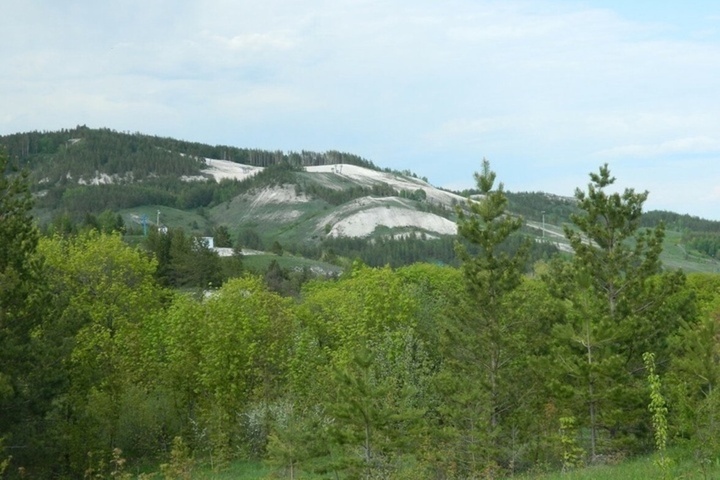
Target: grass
<point>676,256</point>
<point>683,467</point>
<point>240,470</point>
<point>634,469</point>
<point>189,221</point>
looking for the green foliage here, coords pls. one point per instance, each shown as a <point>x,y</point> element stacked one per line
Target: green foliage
<point>4,460</point>
<point>572,454</point>
<point>335,196</point>
<point>22,308</point>
<point>620,304</point>
<point>183,260</point>
<point>705,243</point>
<point>298,436</point>
<point>658,409</point>
<point>276,248</point>
<point>694,374</point>
<point>491,337</point>
<point>486,225</point>
<point>358,337</point>
<point>426,371</point>
<point>249,238</point>
<point>679,222</point>
<point>534,205</point>
<point>222,237</point>
<point>102,292</point>
<point>223,355</point>
<point>181,463</point>
<point>372,420</point>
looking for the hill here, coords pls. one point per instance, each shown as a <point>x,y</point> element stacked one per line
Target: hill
<point>317,205</point>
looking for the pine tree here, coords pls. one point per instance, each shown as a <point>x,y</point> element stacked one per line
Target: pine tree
<point>621,305</point>
<point>20,303</point>
<point>488,333</point>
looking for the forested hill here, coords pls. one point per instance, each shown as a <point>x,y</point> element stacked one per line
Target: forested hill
<point>70,155</point>
<point>82,172</point>
<point>83,151</point>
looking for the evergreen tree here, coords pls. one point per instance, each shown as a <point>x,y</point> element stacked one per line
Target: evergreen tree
<point>620,307</point>
<point>488,335</point>
<point>21,301</point>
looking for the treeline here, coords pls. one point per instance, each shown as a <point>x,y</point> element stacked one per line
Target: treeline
<point>82,150</point>
<point>705,243</point>
<point>76,201</point>
<point>337,197</point>
<point>412,248</point>
<point>680,223</point>
<point>699,235</point>
<point>82,154</point>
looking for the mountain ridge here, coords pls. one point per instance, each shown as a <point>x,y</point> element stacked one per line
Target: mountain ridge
<point>305,199</point>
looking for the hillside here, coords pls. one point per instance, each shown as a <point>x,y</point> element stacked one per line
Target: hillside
<point>318,205</point>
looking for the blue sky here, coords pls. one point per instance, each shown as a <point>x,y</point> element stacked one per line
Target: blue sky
<point>547,91</point>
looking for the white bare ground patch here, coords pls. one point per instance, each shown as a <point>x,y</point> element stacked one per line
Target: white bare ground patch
<point>103,179</point>
<point>274,195</point>
<point>370,177</point>
<point>229,252</point>
<point>225,169</point>
<point>364,223</point>
<point>279,195</point>
<point>361,217</point>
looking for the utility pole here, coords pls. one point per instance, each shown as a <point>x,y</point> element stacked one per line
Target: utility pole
<point>543,227</point>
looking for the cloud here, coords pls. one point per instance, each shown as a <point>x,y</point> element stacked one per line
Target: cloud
<point>256,42</point>
<point>688,145</point>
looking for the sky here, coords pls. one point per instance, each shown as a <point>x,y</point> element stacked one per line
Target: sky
<point>546,90</point>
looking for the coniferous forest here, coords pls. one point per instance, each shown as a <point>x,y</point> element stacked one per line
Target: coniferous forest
<point>485,370</point>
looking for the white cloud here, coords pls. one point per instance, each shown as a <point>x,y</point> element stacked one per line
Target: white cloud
<point>690,145</point>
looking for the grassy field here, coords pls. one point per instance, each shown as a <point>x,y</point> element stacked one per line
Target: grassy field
<point>676,256</point>
<point>189,221</point>
<point>236,471</point>
<point>636,469</point>
<point>644,468</point>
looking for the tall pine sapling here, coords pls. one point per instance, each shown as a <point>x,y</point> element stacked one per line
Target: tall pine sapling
<point>620,305</point>
<point>491,274</point>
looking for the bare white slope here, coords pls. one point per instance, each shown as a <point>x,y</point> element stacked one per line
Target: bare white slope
<point>364,223</point>
<point>225,169</point>
<point>284,194</point>
<point>279,195</point>
<point>369,177</point>
<point>361,217</point>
